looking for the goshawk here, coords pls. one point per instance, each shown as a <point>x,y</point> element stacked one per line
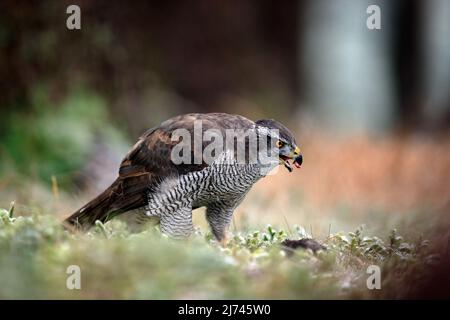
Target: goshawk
<point>188,162</point>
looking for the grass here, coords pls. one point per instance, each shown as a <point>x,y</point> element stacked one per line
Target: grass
<point>35,253</point>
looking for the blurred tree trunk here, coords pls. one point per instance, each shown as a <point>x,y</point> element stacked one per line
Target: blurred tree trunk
<point>435,50</point>
<point>346,79</point>
<point>355,79</point>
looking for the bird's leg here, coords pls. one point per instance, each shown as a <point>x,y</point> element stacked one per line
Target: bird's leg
<point>219,218</point>
<point>177,224</point>
<point>224,241</point>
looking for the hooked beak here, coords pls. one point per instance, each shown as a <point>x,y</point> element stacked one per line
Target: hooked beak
<point>294,155</point>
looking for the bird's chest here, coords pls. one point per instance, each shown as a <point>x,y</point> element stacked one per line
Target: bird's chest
<point>227,183</point>
<point>216,183</point>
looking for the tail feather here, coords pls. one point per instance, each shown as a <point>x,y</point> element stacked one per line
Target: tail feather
<point>123,195</point>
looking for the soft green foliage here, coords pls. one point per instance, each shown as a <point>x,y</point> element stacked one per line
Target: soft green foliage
<point>374,248</point>
<point>35,252</point>
<point>54,139</point>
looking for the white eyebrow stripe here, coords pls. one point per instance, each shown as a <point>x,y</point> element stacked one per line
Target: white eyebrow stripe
<point>274,133</point>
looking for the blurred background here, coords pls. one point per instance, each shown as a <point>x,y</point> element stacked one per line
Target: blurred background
<point>370,108</point>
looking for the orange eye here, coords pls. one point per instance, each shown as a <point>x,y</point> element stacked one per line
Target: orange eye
<point>280,144</point>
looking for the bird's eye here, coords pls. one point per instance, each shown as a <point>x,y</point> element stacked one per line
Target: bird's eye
<point>280,144</point>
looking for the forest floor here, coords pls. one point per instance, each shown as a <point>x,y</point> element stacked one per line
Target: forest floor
<point>370,203</point>
<point>37,258</point>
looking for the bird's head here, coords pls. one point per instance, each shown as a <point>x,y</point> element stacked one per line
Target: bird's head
<point>281,138</point>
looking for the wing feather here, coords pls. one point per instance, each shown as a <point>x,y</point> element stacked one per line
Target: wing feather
<point>148,163</point>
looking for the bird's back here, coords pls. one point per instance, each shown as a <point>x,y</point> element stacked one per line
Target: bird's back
<point>149,164</point>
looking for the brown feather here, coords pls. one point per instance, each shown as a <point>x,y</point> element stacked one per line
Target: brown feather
<point>146,164</point>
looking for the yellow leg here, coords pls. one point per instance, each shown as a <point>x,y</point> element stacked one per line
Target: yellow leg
<point>224,241</point>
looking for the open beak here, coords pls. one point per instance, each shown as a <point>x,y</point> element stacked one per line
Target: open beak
<point>295,156</point>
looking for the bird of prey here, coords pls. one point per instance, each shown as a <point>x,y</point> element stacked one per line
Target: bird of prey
<point>152,186</point>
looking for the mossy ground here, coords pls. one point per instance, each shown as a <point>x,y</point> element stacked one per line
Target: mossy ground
<point>35,252</point>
